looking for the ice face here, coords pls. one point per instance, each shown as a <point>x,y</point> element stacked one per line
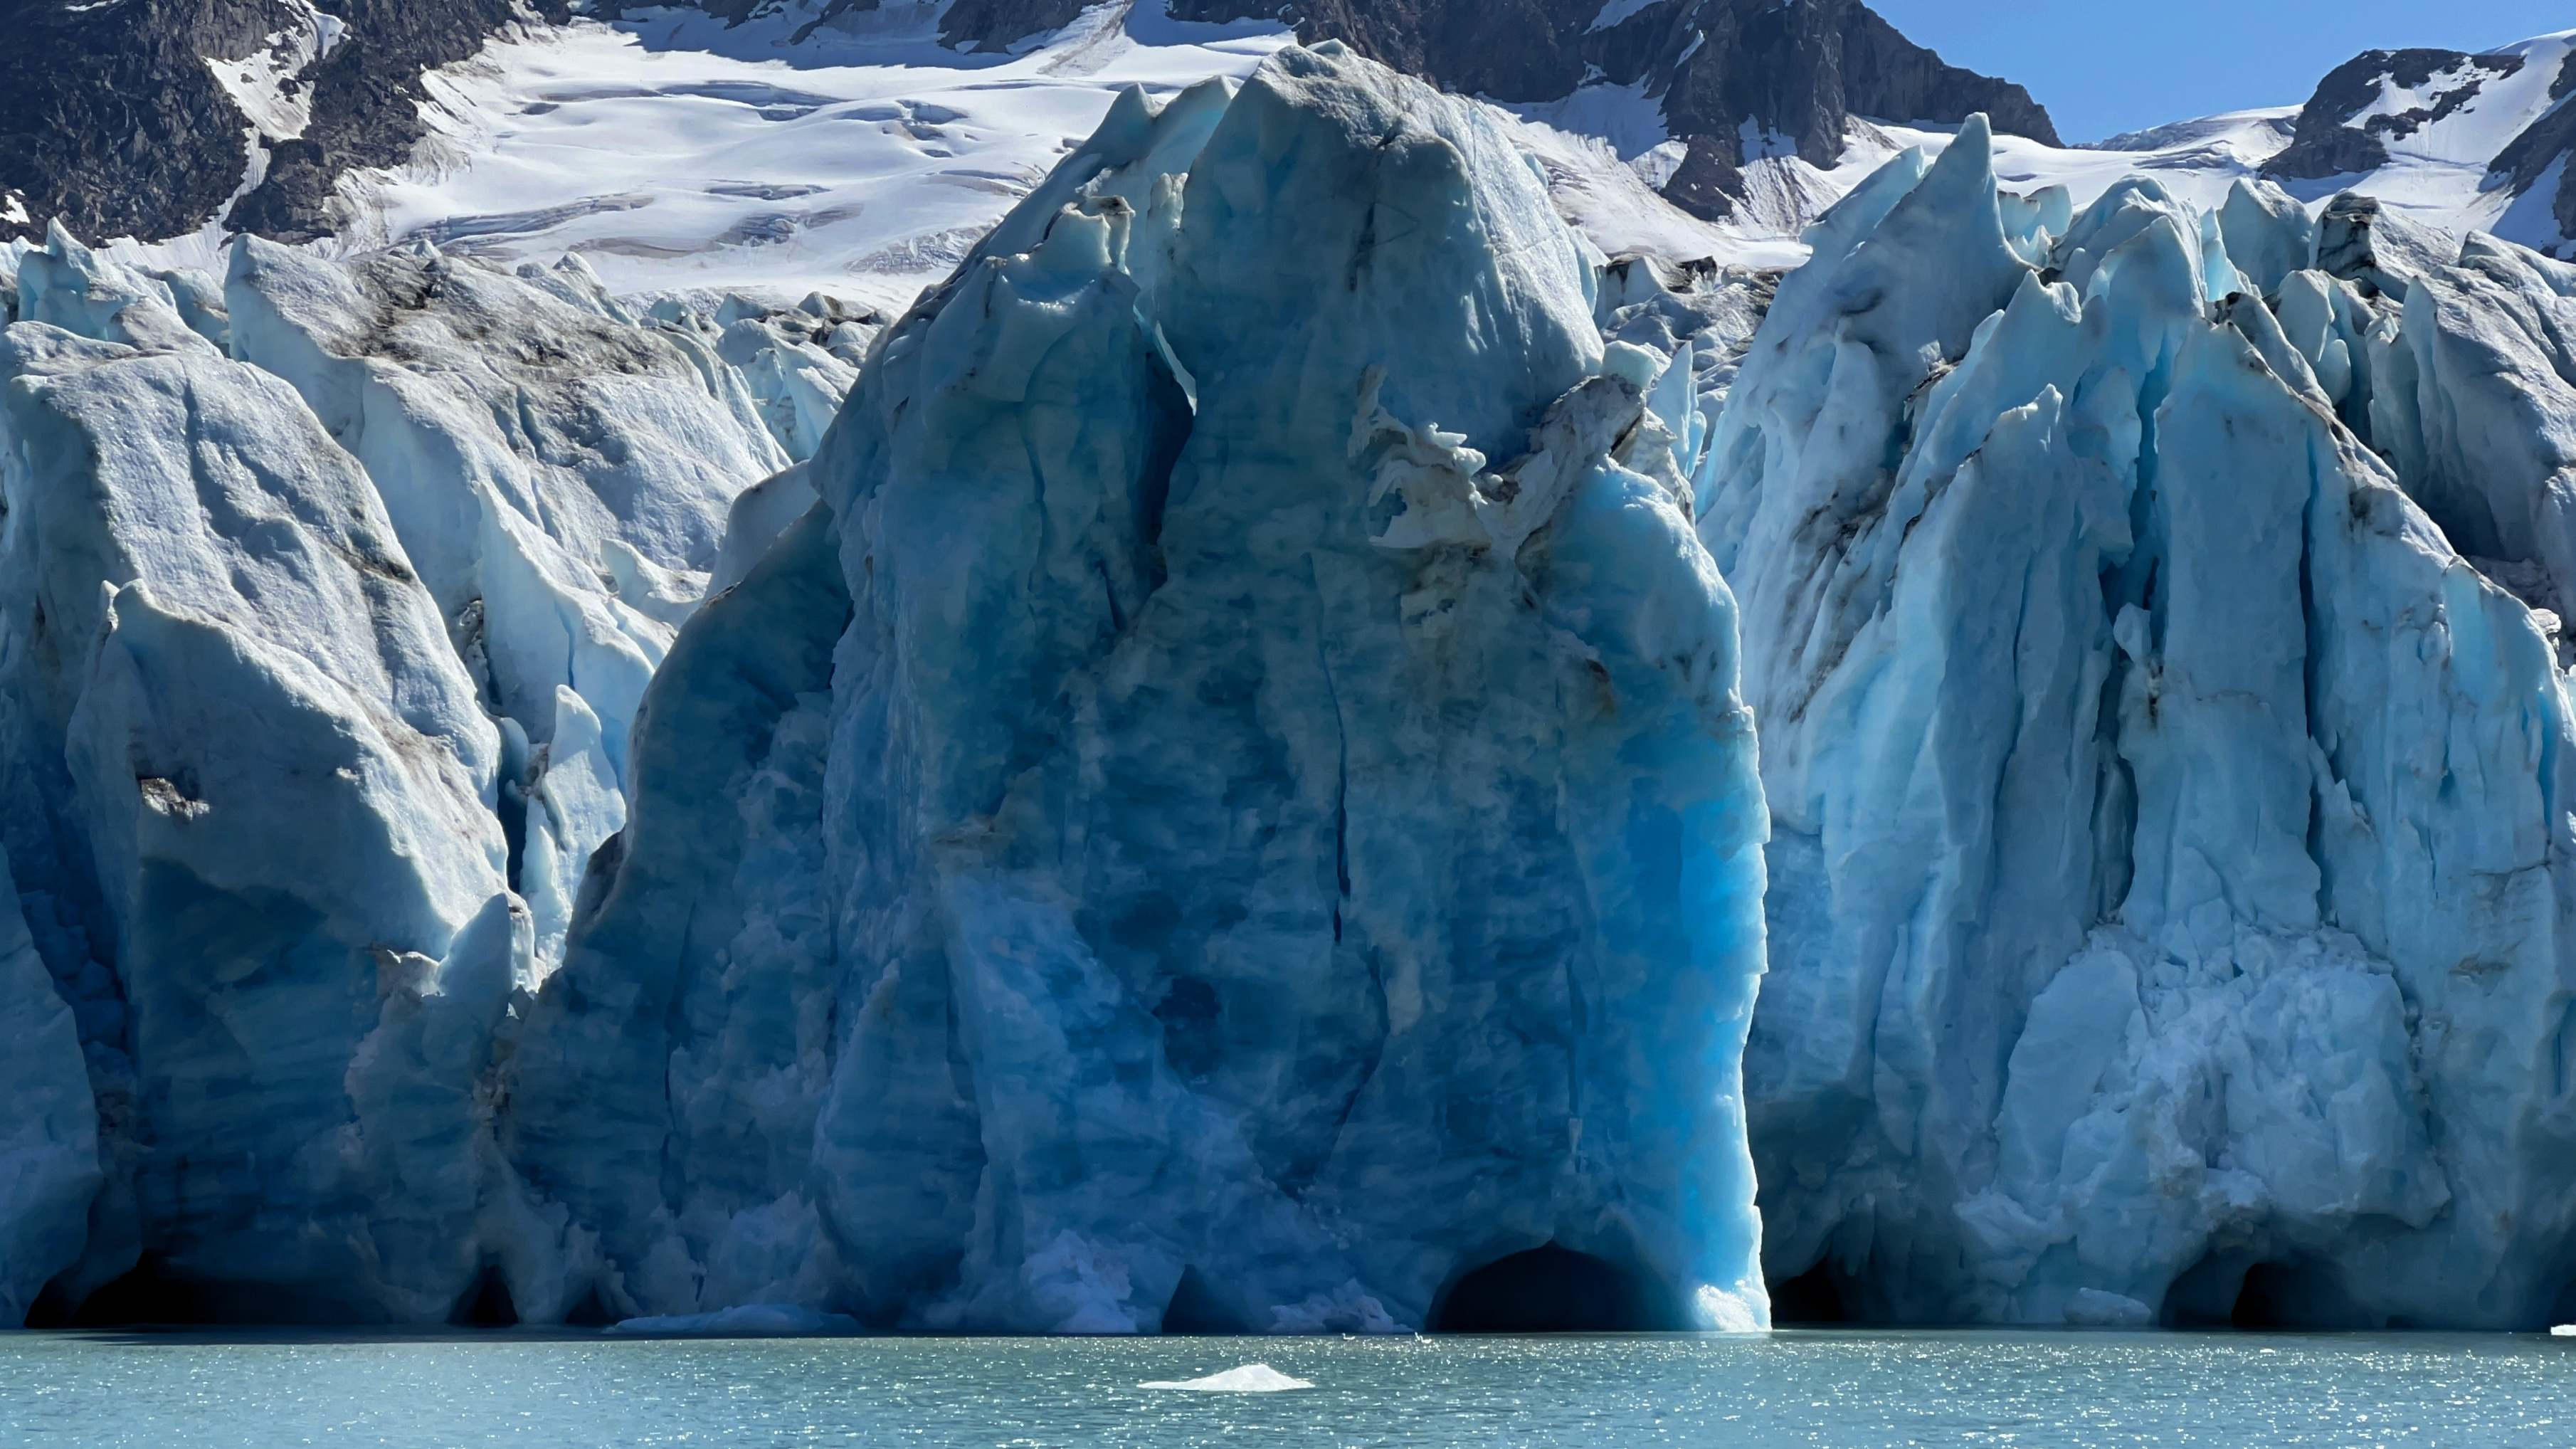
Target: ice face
<point>2169,893</point>
<point>1177,836</point>
<point>267,824</point>
<point>561,475</point>
<point>1218,790</point>
<point>2481,410</point>
<point>49,1136</point>
<point>247,769</point>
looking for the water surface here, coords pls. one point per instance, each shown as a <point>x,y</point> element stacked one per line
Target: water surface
<point>1855,1390</point>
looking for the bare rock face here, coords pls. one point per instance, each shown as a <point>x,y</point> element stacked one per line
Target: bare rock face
<point>138,119</point>
<point>2344,131</point>
<point>1797,73</point>
<point>365,93</point>
<point>111,119</point>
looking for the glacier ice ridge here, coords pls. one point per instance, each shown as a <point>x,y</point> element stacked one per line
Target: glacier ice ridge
<point>1294,749</point>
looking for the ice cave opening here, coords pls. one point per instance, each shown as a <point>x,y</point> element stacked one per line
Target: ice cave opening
<point>1813,1299</point>
<point>1551,1289</point>
<point>147,1294</point>
<point>487,1304</point>
<point>2226,1291</point>
<point>1196,1308</point>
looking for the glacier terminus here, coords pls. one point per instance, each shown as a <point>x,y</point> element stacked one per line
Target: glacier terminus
<point>1292,747</point>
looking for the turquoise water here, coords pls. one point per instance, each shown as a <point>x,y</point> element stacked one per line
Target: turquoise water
<point>1858,1390</point>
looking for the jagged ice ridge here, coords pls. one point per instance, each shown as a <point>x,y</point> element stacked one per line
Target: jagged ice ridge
<point>1206,776</point>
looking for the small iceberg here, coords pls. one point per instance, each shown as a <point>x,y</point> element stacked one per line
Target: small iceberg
<point>751,1320</point>
<point>1252,1378</point>
<point>2564,1330</point>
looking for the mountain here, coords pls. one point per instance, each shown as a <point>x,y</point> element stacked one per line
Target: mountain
<point>1685,128</point>
<point>1733,80</point>
<point>152,118</point>
<point>2478,141</point>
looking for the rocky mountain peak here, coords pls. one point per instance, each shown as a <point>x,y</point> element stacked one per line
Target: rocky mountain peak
<point>1735,78</point>
<point>2381,96</point>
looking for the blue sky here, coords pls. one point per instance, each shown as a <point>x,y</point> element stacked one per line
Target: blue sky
<point>2102,68</point>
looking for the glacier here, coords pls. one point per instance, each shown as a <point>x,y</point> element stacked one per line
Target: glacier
<point>308,576</point>
<point>1192,842</point>
<point>1292,748</point>
<point>248,789</point>
<point>2170,885</point>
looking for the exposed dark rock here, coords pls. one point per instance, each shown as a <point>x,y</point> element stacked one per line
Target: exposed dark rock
<point>995,24</point>
<point>366,97</point>
<point>111,120</point>
<point>2528,157</point>
<point>1797,71</point>
<point>2328,143</point>
<point>2374,248</point>
<point>1708,180</point>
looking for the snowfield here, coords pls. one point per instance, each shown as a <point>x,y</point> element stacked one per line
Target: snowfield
<point>673,153</point>
<point>859,157</point>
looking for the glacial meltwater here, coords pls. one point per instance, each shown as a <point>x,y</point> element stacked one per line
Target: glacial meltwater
<point>1849,1390</point>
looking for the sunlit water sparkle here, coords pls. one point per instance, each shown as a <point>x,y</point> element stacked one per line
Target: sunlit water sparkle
<point>1856,1390</point>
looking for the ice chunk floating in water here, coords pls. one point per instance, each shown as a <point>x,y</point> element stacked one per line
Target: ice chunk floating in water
<point>1252,1378</point>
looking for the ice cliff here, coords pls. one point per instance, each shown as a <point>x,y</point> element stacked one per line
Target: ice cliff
<point>1205,776</point>
<point>1231,811</point>
<point>326,609</point>
<point>1178,811</point>
<point>2171,888</point>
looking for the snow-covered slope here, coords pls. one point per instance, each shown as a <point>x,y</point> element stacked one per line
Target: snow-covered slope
<point>2458,142</point>
<point>854,155</point>
<point>812,145</point>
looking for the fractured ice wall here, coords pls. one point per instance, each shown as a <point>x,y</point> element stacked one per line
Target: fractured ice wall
<point>1217,791</point>
<point>2170,890</point>
<point>561,475</point>
<point>1232,810</point>
<point>269,814</point>
<point>245,768</point>
<point>49,1132</point>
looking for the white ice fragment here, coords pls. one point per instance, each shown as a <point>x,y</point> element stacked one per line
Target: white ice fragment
<point>1252,1378</point>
